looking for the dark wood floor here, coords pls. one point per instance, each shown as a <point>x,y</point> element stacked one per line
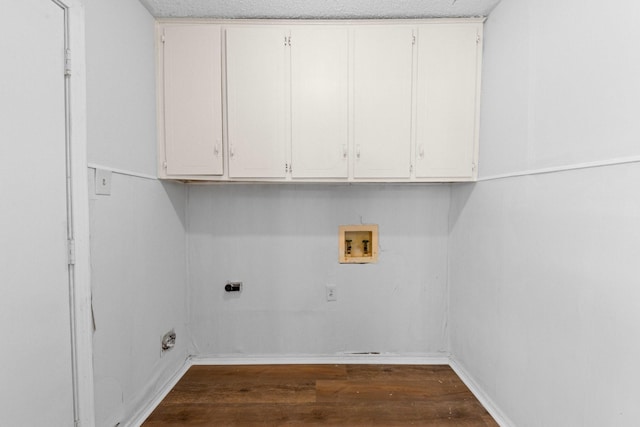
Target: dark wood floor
<point>330,395</point>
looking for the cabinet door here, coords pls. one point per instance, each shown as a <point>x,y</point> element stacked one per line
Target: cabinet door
<point>257,101</point>
<point>383,58</point>
<point>192,100</point>
<point>448,56</point>
<point>320,102</point>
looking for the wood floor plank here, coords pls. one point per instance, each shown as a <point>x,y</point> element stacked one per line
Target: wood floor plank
<point>333,414</point>
<point>340,391</point>
<point>333,395</point>
<point>264,373</point>
<point>409,372</point>
<point>244,392</point>
<point>398,414</point>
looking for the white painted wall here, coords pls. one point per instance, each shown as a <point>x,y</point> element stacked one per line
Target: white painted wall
<point>559,84</point>
<point>138,251</point>
<point>543,276</point>
<point>139,289</point>
<point>282,242</point>
<point>121,85</point>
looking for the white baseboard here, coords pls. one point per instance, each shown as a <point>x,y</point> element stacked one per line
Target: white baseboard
<point>143,413</point>
<point>480,394</point>
<point>324,359</point>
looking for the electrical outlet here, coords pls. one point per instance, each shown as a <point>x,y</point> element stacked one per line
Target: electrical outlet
<point>332,293</point>
<point>103,182</point>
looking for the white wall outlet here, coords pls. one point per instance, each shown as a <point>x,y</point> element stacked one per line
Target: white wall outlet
<point>103,182</point>
<point>332,293</point>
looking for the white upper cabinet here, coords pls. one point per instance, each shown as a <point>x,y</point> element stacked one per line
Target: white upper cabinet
<point>342,101</point>
<point>257,101</point>
<point>382,78</point>
<point>319,102</point>
<point>192,85</point>
<point>449,58</point>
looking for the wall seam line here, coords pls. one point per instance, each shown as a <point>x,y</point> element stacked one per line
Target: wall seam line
<point>121,171</point>
<point>565,168</point>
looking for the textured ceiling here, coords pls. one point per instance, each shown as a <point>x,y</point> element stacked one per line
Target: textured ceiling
<point>318,9</point>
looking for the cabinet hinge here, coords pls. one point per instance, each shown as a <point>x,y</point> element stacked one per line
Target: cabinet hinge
<point>413,39</point>
<point>287,40</point>
<point>477,38</point>
<point>286,168</point>
<point>291,168</point>
<point>473,166</point>
<point>164,165</point>
<point>67,62</point>
<point>71,251</point>
<point>410,169</point>
<point>162,38</point>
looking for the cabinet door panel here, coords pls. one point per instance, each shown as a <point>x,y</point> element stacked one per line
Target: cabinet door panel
<point>257,102</point>
<point>447,79</point>
<point>383,58</point>
<point>320,97</point>
<point>193,100</point>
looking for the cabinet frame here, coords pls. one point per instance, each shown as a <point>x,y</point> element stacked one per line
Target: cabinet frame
<point>351,25</point>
